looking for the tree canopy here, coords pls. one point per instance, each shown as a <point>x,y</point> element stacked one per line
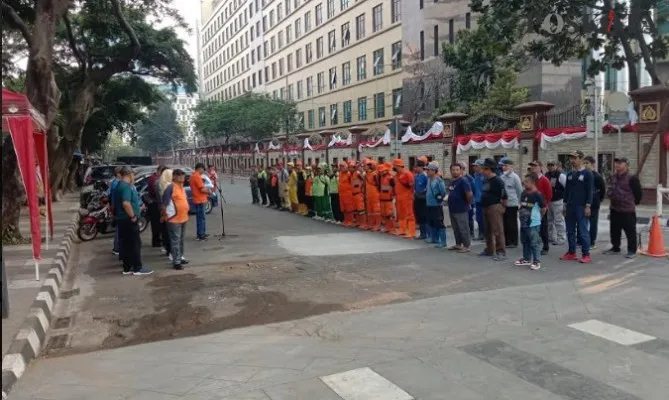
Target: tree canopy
<point>160,131</point>
<point>248,117</point>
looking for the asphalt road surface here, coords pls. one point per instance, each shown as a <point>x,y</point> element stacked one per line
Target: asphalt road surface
<point>334,313</point>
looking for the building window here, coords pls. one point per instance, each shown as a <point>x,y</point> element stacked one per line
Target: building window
<point>279,13</point>
<point>334,120</point>
<point>321,117</point>
<point>397,101</point>
<point>319,14</point>
<point>422,45</point>
<point>298,28</point>
<point>271,18</point>
<point>272,44</point>
<point>320,79</point>
<point>310,119</point>
<point>273,70</point>
<point>379,105</point>
<point>468,20</point>
<point>289,62</point>
<point>307,21</point>
<point>343,4</point>
<point>310,86</point>
<point>347,111</point>
<point>290,93</point>
<point>360,26</point>
<point>346,73</point>
<point>289,34</point>
<point>345,35</point>
<point>333,78</point>
<point>332,41</point>
<point>397,55</point>
<point>451,31</point>
<point>299,90</point>
<point>281,67</point>
<point>377,18</point>
<point>395,11</point>
<point>288,7</point>
<point>282,92</point>
<point>436,40</point>
<point>610,81</point>
<point>378,62</point>
<point>319,47</point>
<point>331,8</point>
<point>309,54</point>
<point>361,65</point>
<point>280,39</point>
<point>298,58</point>
<point>362,109</point>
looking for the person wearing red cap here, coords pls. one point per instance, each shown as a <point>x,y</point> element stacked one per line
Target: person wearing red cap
<point>346,194</point>
<point>386,194</point>
<point>372,201</point>
<point>404,200</point>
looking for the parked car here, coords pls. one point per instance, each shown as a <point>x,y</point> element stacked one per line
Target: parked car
<point>140,183</point>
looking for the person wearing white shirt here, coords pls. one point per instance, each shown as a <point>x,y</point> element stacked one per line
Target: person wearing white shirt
<point>557,231</point>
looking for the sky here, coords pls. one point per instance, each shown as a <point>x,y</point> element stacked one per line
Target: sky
<point>190,10</point>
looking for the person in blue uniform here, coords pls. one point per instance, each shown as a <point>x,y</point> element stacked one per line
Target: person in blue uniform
<point>419,202</point>
<point>578,197</point>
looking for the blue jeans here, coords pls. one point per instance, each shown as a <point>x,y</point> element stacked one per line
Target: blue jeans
<point>577,225</point>
<point>200,221</point>
<point>531,239</point>
<point>479,219</point>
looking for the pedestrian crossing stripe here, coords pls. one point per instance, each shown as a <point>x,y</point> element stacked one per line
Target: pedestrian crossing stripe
<point>614,333</point>
<point>364,384</point>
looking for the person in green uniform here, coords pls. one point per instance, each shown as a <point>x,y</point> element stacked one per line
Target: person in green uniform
<point>333,175</point>
<point>320,193</point>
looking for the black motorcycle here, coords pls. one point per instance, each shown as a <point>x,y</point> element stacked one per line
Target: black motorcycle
<point>98,218</point>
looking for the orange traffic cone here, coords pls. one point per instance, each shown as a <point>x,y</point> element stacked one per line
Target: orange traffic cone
<point>655,240</point>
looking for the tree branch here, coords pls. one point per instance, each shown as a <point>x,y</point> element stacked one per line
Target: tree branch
<point>73,43</point>
<point>10,14</point>
<point>121,63</point>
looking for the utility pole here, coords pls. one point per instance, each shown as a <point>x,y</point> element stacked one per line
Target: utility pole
<point>286,120</point>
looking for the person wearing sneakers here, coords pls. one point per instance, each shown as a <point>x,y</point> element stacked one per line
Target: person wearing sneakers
<point>320,193</point>
<point>459,202</point>
<point>514,188</point>
<point>493,198</point>
<point>127,216</point>
<point>477,189</point>
<point>200,195</point>
<point>372,202</point>
<point>544,187</point>
<point>419,202</point>
<point>578,201</point>
<point>404,183</point>
<point>346,194</point>
<point>532,208</point>
<point>434,198</point>
<point>386,190</point>
<point>599,188</point>
<point>625,194</point>
<point>556,226</point>
<point>175,204</point>
<point>357,189</point>
<point>333,174</point>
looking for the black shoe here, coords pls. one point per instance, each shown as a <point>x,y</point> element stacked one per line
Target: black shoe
<point>511,246</point>
<point>201,239</point>
<point>206,235</point>
<point>184,261</point>
<point>178,267</point>
<point>544,252</point>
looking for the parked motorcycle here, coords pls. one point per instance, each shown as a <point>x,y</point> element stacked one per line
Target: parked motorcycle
<point>98,218</point>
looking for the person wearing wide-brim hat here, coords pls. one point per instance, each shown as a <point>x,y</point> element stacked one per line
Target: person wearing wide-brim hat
<point>493,199</point>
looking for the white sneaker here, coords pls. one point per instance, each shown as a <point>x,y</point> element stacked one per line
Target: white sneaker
<point>522,263</point>
<point>535,266</point>
<point>162,250</point>
<point>169,257</point>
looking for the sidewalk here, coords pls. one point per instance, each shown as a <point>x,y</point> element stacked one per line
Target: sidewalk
<point>22,286</point>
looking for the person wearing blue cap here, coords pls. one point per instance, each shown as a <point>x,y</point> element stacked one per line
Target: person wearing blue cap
<point>477,189</point>
<point>434,198</point>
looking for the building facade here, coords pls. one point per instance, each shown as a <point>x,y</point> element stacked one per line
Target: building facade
<point>184,106</point>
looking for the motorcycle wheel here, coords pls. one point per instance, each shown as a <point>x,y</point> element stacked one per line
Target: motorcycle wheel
<point>143,223</point>
<point>87,232</point>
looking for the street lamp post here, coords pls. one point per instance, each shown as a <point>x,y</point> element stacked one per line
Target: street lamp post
<point>594,92</point>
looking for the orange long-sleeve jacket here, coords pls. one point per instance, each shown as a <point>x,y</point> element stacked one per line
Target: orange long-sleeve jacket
<point>404,186</point>
<point>372,185</point>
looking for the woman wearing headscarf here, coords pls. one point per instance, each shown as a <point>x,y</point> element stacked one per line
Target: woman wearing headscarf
<point>162,183</point>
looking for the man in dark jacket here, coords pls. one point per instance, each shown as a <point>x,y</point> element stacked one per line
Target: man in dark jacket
<point>599,191</point>
<point>493,200</point>
<point>153,202</point>
<point>625,193</point>
<point>578,195</point>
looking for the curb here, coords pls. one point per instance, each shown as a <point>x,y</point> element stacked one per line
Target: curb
<point>28,342</point>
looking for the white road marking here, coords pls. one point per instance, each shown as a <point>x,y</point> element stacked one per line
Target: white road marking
<point>346,243</point>
<point>614,333</point>
<point>364,384</point>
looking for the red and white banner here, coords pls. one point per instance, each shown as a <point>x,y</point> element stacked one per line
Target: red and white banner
<point>478,141</point>
<point>556,135</point>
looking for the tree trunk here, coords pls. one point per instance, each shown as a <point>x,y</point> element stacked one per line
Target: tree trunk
<point>13,193</point>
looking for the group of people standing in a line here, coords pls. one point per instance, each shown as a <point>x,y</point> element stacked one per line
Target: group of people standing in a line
<point>538,210</point>
<point>168,212</point>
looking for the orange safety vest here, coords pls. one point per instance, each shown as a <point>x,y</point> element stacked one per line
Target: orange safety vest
<point>404,185</point>
<point>386,188</point>
<point>356,182</point>
<point>372,184</point>
<point>345,182</point>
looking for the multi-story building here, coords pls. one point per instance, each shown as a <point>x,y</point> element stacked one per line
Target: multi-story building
<point>184,105</point>
<point>339,60</point>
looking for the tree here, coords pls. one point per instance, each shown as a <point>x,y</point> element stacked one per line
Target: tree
<point>160,131</point>
<point>249,117</point>
<point>117,145</point>
<point>422,91</point>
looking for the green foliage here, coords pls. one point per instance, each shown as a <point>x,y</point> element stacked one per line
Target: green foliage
<point>160,131</point>
<point>249,117</point>
<point>117,145</point>
<point>503,94</point>
<point>16,84</point>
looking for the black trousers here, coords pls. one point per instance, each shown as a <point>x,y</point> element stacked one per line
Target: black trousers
<point>336,209</point>
<point>434,216</point>
<point>131,245</point>
<point>511,226</point>
<point>154,218</point>
<point>420,210</point>
<point>544,232</point>
<point>254,194</point>
<point>310,206</point>
<point>167,243</point>
<point>262,185</point>
<point>623,221</point>
<point>274,196</point>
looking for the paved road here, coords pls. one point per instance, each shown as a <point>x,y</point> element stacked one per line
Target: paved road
<point>446,327</point>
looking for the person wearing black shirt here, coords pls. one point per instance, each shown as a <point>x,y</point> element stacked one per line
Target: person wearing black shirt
<point>578,202</point>
<point>599,191</point>
<point>493,197</point>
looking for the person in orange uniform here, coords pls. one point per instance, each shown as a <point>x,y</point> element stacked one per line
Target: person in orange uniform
<point>372,201</point>
<point>357,187</point>
<point>386,198</point>
<point>404,200</point>
<point>346,194</point>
